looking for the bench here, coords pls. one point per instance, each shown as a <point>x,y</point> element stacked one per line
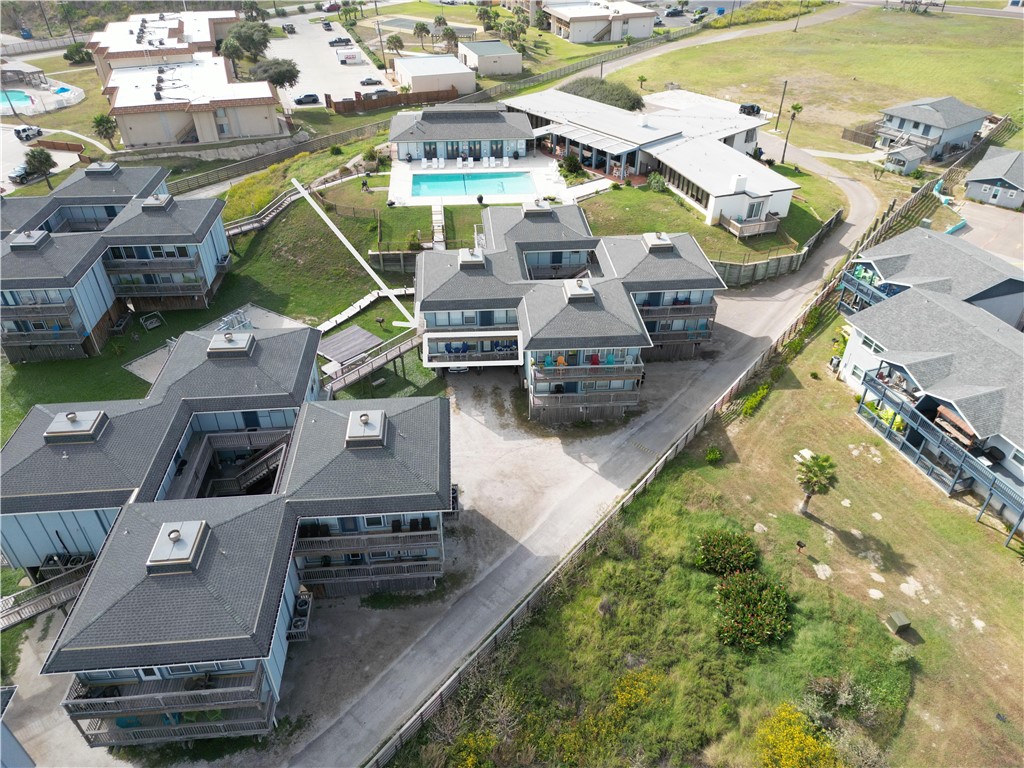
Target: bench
<point>378,382</point>
<point>897,622</point>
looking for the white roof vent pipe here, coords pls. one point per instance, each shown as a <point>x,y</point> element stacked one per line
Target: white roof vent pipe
<point>739,183</point>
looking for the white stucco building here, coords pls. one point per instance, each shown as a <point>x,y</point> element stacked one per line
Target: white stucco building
<point>490,57</point>
<point>434,73</point>
<point>600,21</point>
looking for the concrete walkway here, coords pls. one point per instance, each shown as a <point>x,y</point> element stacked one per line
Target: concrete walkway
<point>864,157</point>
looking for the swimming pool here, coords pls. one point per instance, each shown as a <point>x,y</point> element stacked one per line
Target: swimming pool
<point>18,98</point>
<point>443,184</point>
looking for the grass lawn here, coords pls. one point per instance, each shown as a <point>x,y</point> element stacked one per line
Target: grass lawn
<point>410,380</point>
<point>618,212</point>
<point>842,72</point>
<point>10,641</point>
<point>321,121</point>
<point>885,539</point>
<point>78,118</point>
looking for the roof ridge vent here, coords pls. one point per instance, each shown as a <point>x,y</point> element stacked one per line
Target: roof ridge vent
<point>471,258</point>
<point>366,429</point>
<point>536,208</point>
<point>578,290</point>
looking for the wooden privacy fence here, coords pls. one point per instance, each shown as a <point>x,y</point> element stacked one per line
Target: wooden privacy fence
<point>265,161</point>
<point>388,100</point>
<point>63,146</point>
<point>521,613</point>
<point>862,134</point>
<point>735,274</point>
<point>898,219</point>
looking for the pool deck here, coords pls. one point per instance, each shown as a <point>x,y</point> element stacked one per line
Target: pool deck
<point>543,170</point>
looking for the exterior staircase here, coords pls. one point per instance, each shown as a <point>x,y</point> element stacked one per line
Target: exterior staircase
<point>39,598</point>
<point>437,220</point>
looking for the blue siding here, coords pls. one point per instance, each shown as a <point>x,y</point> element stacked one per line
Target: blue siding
<point>28,539</point>
<point>279,648</point>
<point>213,247</point>
<point>12,754</point>
<point>94,295</point>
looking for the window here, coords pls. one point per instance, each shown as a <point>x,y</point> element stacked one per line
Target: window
<point>149,673</point>
<point>985,187</point>
<point>857,372</point>
<point>916,125</point>
<point>204,667</point>
<point>873,345</point>
<point>754,209</point>
<point>180,669</point>
<point>380,555</point>
<point>221,112</point>
<point>927,130</point>
<point>750,136</point>
<point>374,522</point>
<point>230,666</point>
<point>1018,458</point>
<point>1012,193</point>
<point>38,325</point>
<point>469,318</point>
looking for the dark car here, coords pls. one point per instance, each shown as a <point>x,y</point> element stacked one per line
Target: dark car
<point>371,81</point>
<point>700,11</point>
<point>26,132</point>
<point>750,109</point>
<point>21,175</point>
<point>332,7</point>
<point>673,12</point>
<point>327,25</point>
<point>289,28</point>
<point>307,98</point>
<point>339,42</point>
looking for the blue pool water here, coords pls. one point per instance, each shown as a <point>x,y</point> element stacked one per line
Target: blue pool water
<point>18,98</point>
<point>441,184</point>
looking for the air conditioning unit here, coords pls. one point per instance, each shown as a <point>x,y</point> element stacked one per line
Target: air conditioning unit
<point>302,606</point>
<point>299,624</point>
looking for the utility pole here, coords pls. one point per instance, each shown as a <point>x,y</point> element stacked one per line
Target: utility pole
<point>792,119</point>
<point>799,10</point>
<point>45,20</point>
<point>785,83</point>
<point>381,41</point>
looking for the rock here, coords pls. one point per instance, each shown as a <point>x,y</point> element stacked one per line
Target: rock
<point>758,528</point>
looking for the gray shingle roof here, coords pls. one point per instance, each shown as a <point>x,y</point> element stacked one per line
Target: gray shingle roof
<point>24,213</point>
<point>410,473</point>
<point>1000,163</point>
<point>956,352</point>
<point>226,609</point>
<point>102,188</point>
<point>60,262</point>
<point>450,124</point>
<point>610,320</point>
<point>908,152</point>
<point>183,221</point>
<point>940,262</point>
<point>945,112</point>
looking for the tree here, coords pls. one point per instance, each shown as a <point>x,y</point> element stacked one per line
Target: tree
<point>252,36</point>
<point>38,160</point>
<point>541,20</point>
<point>283,73</point>
<point>483,15</point>
<point>451,39</point>
<point>795,110</point>
<point>816,476</point>
<point>68,13</point>
<point>232,51</point>
<point>421,31</point>
<point>405,88</point>
<point>253,12</point>
<point>440,21</point>
<point>394,44</point>
<point>521,15</point>
<point>641,79</point>
<point>105,127</point>
<point>77,53</point>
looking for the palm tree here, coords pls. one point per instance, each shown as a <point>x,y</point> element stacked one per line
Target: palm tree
<point>440,21</point>
<point>38,160</point>
<point>405,88</point>
<point>795,110</point>
<point>451,39</point>
<point>483,15</point>
<point>231,50</point>
<point>816,476</point>
<point>421,31</point>
<point>641,79</point>
<point>105,127</point>
<point>394,43</point>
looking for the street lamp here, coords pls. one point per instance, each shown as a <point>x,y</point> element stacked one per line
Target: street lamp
<point>799,10</point>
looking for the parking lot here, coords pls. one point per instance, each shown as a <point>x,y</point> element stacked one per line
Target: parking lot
<point>13,152</point>
<point>319,69</point>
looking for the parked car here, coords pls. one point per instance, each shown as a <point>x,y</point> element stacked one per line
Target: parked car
<point>307,98</point>
<point>289,28</point>
<point>700,11</point>
<point>371,81</point>
<point>26,132</point>
<point>339,41</point>
<point>750,109</point>
<point>380,91</point>
<point>447,2</point>
<point>327,25</point>
<point>673,12</point>
<point>21,175</point>
<point>659,22</point>
<point>332,7</point>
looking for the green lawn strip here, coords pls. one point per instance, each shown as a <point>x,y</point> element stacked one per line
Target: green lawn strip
<point>842,73</point>
<point>460,221</point>
<point>411,380</point>
<point>37,188</point>
<point>78,117</point>
<point>57,63</point>
<point>322,121</point>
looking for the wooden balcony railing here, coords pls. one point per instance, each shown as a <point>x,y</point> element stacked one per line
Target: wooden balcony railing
<point>679,310</point>
<point>573,372</point>
<point>375,571</point>
<point>365,542</point>
<point>868,293</point>
<point>769,224</point>
<point>23,311</point>
<point>602,397</point>
<point>154,729</point>
<point>173,695</point>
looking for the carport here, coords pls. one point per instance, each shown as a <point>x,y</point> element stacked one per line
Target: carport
<point>595,149</point>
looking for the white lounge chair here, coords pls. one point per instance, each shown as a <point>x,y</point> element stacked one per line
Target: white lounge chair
<point>433,163</point>
<point>494,162</point>
<point>469,163</point>
<point>458,162</point>
<point>441,162</point>
<point>504,162</point>
<point>423,162</point>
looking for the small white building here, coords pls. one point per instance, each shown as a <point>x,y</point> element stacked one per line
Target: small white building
<point>904,159</point>
<point>490,57</point>
<point>434,73</point>
<point>600,21</point>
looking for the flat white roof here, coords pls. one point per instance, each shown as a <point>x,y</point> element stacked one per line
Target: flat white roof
<point>711,165</point>
<point>598,10</point>
<point>121,36</point>
<point>697,106</point>
<point>430,65</point>
<point>202,81</point>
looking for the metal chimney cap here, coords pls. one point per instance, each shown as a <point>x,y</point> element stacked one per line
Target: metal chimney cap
<point>71,416</point>
<point>364,418</point>
<point>174,534</point>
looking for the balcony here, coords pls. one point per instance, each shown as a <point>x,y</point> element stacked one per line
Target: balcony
<point>867,294</point>
<point>890,131</point>
<point>186,264</point>
<point>751,227</point>
<point>181,726</point>
<point>199,692</point>
<point>29,311</point>
<point>513,358</point>
<point>666,337</point>
<point>679,310</point>
<point>592,398</point>
<point>42,337</point>
<point>323,545</point>
<point>381,570</point>
<point>162,289</point>
<point>575,372</point>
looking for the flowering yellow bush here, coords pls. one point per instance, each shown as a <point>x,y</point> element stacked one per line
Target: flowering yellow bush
<point>635,688</point>
<point>473,750</point>
<point>787,739</point>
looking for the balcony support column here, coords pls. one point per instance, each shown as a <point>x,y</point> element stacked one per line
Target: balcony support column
<point>1016,526</point>
<point>984,506</point>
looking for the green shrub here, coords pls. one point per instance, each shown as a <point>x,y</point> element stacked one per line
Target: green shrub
<point>753,610</point>
<point>723,552</point>
<point>91,24</point>
<point>753,402</point>
<point>370,155</point>
<point>335,149</point>
<point>656,182</point>
<point>713,454</point>
<point>571,165</point>
<point>607,92</point>
<point>776,373</point>
<point>628,183</point>
<point>300,10</point>
<point>616,185</point>
<point>815,375</point>
<point>281,12</point>
<point>77,53</point>
<point>769,162</point>
<point>787,739</point>
<point>317,6</point>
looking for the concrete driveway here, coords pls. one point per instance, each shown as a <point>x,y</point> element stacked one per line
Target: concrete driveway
<point>994,229</point>
<point>12,154</point>
<point>319,70</point>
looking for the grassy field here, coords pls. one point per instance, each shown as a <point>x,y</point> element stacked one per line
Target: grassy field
<point>885,539</point>
<point>10,641</point>
<point>842,73</point>
<point>617,213</point>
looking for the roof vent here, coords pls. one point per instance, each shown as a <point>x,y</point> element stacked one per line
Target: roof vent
<point>471,259</point>
<point>366,429</point>
<point>536,209</point>
<point>102,169</point>
<point>160,71</point>
<point>33,240</point>
<point>75,427</point>
<point>158,96</point>
<point>178,548</point>
<point>657,241</point>
<point>230,344</point>
<point>579,290</point>
<point>158,202</point>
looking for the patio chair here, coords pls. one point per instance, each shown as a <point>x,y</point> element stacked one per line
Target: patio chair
<point>423,162</point>
<point>504,162</point>
<point>561,360</point>
<point>434,163</point>
<point>469,163</point>
<point>440,162</point>
<point>548,362</point>
<point>595,359</point>
<point>458,162</point>
<point>465,347</point>
<point>610,360</point>
<point>448,347</point>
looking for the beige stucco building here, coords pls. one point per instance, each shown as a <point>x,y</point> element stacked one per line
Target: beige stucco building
<point>490,57</point>
<point>434,73</point>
